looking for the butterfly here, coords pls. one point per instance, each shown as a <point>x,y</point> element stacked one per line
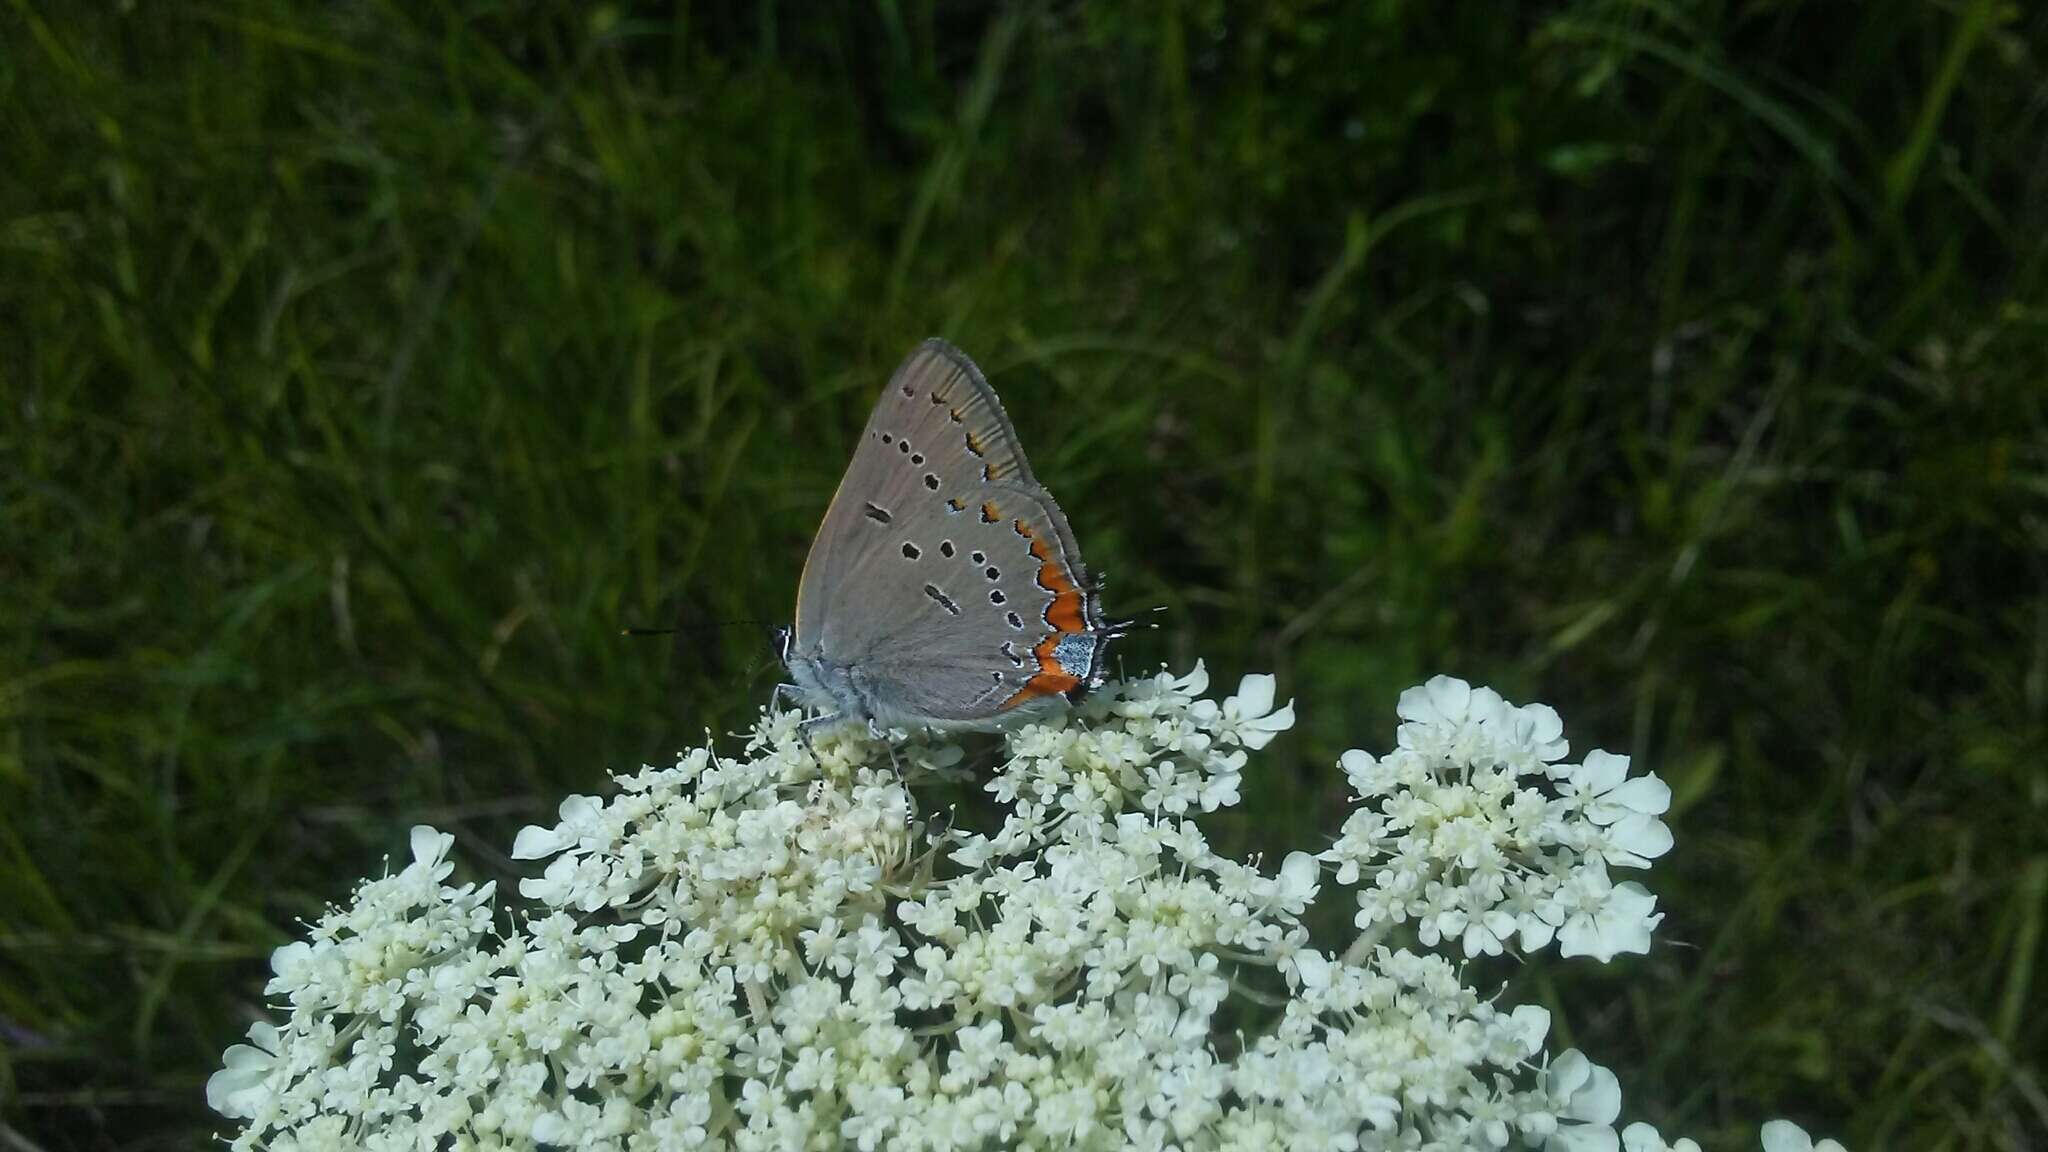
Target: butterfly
<point>944,589</point>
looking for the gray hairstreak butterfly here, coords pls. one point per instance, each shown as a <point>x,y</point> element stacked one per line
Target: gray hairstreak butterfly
<point>944,589</point>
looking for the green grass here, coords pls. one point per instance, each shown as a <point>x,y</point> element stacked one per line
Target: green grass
<point>1684,365</point>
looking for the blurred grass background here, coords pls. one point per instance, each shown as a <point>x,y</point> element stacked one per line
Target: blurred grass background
<point>1680,364</point>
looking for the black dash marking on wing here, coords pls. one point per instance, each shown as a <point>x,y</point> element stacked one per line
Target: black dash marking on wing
<point>945,601</point>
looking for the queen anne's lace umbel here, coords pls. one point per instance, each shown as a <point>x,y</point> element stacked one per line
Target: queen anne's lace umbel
<point>780,951</point>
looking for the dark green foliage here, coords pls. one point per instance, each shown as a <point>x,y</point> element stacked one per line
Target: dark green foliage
<point>366,366</point>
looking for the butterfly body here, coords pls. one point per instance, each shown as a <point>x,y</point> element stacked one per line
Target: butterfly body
<point>944,589</point>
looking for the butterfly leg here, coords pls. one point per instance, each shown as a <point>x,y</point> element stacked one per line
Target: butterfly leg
<point>785,693</point>
<point>881,736</point>
<point>810,724</point>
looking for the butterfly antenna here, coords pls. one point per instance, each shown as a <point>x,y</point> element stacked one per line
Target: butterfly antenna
<point>1117,628</point>
<point>682,628</point>
<point>1114,628</point>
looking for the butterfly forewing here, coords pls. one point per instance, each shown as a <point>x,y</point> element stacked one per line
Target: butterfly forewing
<point>942,571</point>
<point>937,434</point>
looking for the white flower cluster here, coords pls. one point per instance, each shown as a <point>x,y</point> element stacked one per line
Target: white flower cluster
<point>778,952</point>
<point>1475,832</point>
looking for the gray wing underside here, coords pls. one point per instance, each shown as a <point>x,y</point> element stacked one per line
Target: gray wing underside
<point>893,584</point>
<point>939,634</point>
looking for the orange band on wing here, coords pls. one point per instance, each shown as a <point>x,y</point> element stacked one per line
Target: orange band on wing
<point>1049,680</point>
<point>1066,614</point>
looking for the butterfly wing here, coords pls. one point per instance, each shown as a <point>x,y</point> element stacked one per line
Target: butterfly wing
<point>943,576</point>
<point>937,433</point>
